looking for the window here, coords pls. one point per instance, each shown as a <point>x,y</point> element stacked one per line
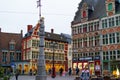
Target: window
<point>85,42</point>
<point>97,53</point>
<point>4,56</point>
<point>74,31</point>
<point>85,28</point>
<point>105,39</point>
<point>18,56</point>
<point>35,54</point>
<point>96,40</point>
<point>79,43</point>
<point>84,14</point>
<point>105,55</point>
<point>110,6</point>
<point>35,43</point>
<point>118,37</point>
<point>112,55</point>
<point>96,25</point>
<point>112,38</point>
<point>117,20</point>
<point>91,41</point>
<point>90,26</point>
<point>118,54</point>
<point>11,56</point>
<point>73,44</point>
<point>12,46</point>
<point>76,43</point>
<point>80,29</point>
<point>111,22</point>
<point>104,23</point>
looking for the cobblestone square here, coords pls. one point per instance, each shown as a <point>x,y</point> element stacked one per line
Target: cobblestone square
<point>27,77</point>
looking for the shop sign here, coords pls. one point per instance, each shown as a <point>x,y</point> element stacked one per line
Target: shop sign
<point>96,58</point>
<point>74,59</point>
<point>85,59</point>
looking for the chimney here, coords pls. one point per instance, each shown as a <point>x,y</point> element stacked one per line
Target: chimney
<point>29,27</point>
<point>52,30</point>
<point>22,32</point>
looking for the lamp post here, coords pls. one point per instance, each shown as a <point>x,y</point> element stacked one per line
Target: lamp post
<point>53,45</point>
<point>41,73</point>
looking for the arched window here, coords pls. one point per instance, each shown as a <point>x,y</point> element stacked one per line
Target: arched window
<point>84,13</point>
<point>110,6</point>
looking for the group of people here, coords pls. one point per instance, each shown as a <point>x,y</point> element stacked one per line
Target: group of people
<point>84,74</point>
<point>60,71</point>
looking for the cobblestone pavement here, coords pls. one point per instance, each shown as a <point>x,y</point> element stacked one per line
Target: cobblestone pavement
<point>27,77</point>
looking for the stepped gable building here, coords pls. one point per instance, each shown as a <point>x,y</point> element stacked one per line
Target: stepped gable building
<point>96,35</point>
<point>30,49</point>
<point>10,48</point>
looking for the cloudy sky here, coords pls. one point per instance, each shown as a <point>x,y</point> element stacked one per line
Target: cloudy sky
<point>15,15</point>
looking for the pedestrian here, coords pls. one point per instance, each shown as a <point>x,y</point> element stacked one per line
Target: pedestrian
<point>69,71</point>
<point>30,72</point>
<point>16,75</point>
<point>77,70</point>
<point>23,72</point>
<point>85,74</point>
<point>49,71</point>
<point>64,73</point>
<point>61,71</point>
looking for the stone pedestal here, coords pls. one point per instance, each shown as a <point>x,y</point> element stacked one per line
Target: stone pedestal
<point>41,77</point>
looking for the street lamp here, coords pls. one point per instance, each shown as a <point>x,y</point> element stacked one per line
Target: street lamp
<point>53,45</point>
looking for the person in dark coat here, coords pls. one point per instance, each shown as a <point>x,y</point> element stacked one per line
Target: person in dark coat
<point>16,75</point>
<point>49,71</point>
<point>61,71</point>
<point>70,71</point>
<point>77,70</point>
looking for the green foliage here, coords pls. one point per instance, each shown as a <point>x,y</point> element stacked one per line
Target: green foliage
<point>5,78</point>
<point>1,72</point>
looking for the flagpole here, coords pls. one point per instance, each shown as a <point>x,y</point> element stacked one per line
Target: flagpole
<point>41,72</point>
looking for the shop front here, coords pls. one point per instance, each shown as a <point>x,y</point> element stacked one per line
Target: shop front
<point>93,63</point>
<point>84,63</point>
<point>57,65</point>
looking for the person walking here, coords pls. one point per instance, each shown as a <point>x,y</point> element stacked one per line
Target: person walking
<point>85,74</point>
<point>70,71</point>
<point>61,71</point>
<point>16,75</point>
<point>49,71</point>
<point>77,70</point>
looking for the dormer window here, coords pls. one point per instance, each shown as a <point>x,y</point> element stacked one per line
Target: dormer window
<point>110,6</point>
<point>12,45</point>
<point>84,14</point>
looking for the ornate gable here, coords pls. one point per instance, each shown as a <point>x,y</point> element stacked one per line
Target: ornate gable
<point>84,12</point>
<point>110,7</point>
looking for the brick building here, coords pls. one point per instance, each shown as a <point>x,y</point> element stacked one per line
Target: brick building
<point>10,48</point>
<point>96,35</point>
<point>30,49</point>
